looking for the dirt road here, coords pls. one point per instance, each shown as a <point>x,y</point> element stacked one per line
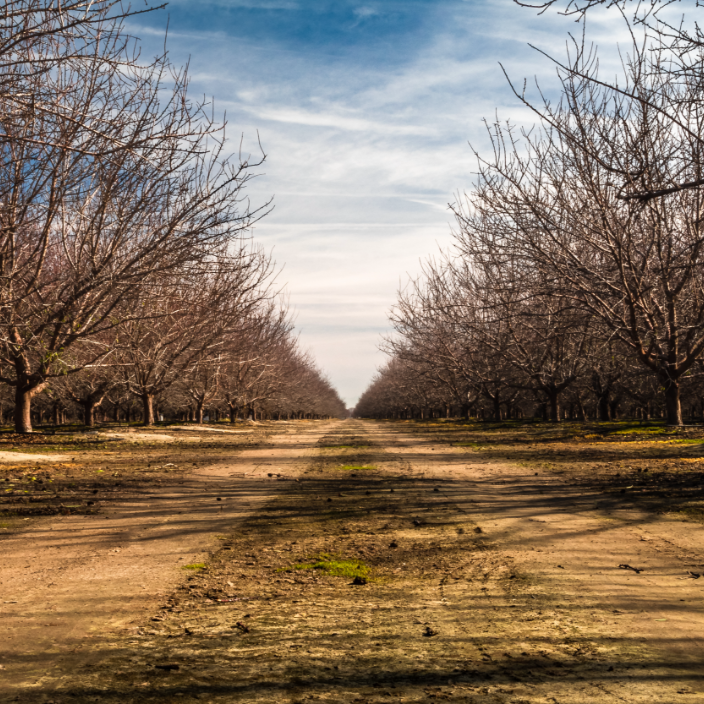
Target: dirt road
<point>557,531</point>
<point>478,580</point>
<point>66,582</point>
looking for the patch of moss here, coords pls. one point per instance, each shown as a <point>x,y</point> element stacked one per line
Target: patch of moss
<point>331,565</point>
<point>196,566</point>
<point>354,467</point>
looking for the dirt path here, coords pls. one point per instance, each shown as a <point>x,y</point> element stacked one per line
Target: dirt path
<point>69,581</point>
<point>558,531</point>
<point>479,582</point>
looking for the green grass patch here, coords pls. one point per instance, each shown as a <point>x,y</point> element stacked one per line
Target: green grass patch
<point>331,565</point>
<point>353,467</point>
<point>641,430</point>
<point>196,566</point>
<point>694,513</point>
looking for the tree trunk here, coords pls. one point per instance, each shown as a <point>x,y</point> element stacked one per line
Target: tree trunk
<point>613,408</point>
<point>148,408</point>
<point>23,409</point>
<point>582,414</point>
<point>672,402</point>
<point>199,412</point>
<point>554,407</point>
<point>603,408</point>
<point>497,408</point>
<point>89,413</point>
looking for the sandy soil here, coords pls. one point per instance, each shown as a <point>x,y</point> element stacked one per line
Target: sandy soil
<point>138,437</point>
<point>18,457</point>
<point>549,526</point>
<point>67,581</point>
<point>492,573</point>
<point>204,429</point>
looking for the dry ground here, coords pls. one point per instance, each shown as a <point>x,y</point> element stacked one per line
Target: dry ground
<point>498,562</point>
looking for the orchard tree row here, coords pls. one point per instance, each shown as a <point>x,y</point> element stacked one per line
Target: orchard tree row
<point>575,284</point>
<point>127,271</point>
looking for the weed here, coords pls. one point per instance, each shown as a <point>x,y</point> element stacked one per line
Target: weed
<point>354,467</point>
<point>196,566</point>
<point>332,566</point>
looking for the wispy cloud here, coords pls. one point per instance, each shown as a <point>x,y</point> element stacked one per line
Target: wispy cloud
<point>338,121</point>
<point>365,12</point>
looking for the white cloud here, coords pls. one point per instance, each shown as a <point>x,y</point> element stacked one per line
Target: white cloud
<point>364,159</point>
<point>365,11</point>
<point>335,121</point>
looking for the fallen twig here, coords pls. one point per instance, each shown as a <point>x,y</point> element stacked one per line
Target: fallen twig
<point>628,567</point>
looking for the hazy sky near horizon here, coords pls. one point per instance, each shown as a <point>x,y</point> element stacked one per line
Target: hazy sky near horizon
<point>365,109</point>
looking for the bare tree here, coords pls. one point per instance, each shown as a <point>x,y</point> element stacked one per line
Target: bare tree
<point>109,175</point>
<point>184,321</point>
<point>90,386</point>
<point>256,350</point>
<point>634,263</point>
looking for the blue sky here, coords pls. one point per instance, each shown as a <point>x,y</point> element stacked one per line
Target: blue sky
<point>365,110</point>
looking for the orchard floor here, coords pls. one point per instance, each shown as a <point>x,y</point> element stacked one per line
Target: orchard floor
<point>498,563</point>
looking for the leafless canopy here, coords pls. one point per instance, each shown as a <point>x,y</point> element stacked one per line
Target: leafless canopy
<point>579,250</point>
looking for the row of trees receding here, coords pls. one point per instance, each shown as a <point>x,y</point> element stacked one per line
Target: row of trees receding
<point>127,271</point>
<point>576,281</point>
